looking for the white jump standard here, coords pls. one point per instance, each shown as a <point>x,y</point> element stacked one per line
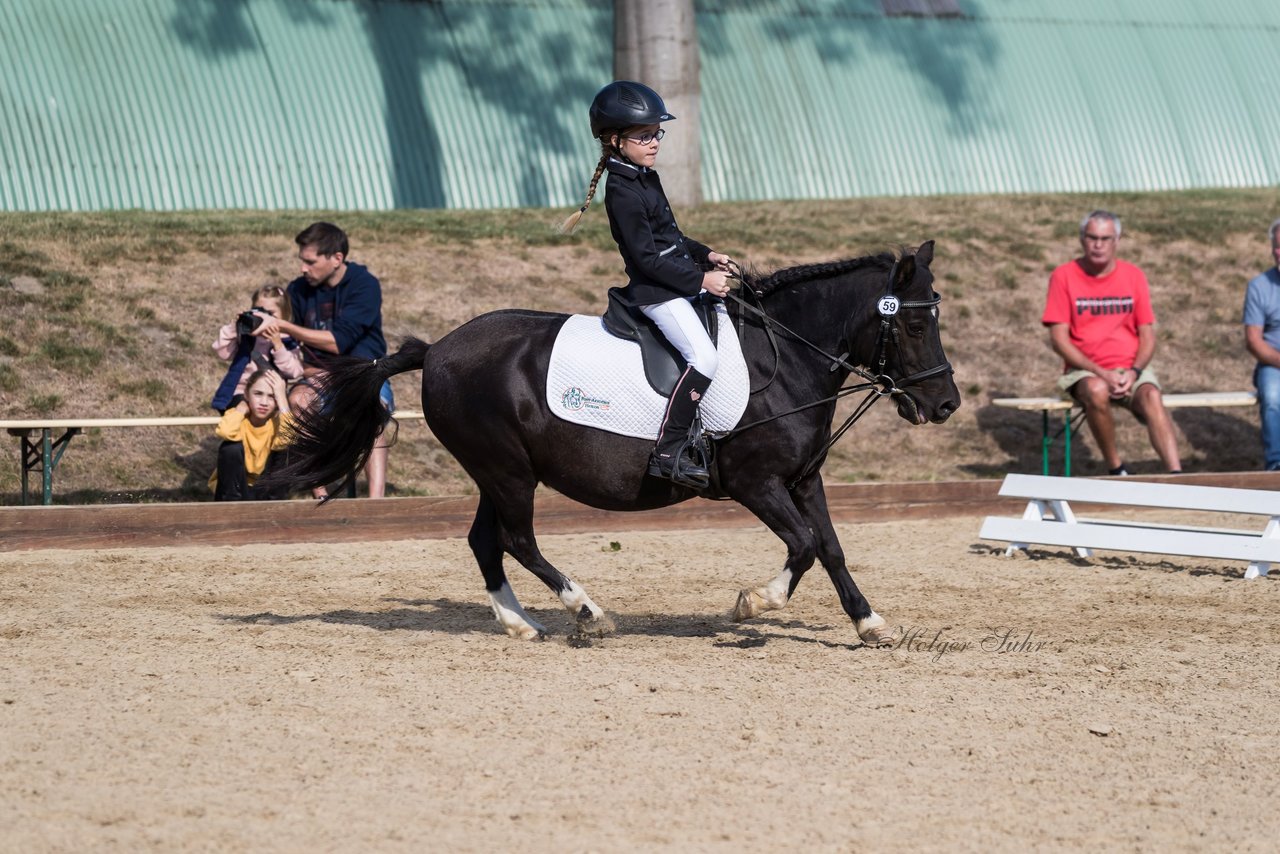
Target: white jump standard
<point>1050,520</point>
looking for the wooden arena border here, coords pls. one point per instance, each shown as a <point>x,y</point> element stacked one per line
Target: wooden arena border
<point>365,520</point>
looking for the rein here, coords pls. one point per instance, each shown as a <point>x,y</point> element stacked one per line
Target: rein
<point>877,385</point>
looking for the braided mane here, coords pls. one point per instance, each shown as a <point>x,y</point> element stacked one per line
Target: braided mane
<point>765,284</point>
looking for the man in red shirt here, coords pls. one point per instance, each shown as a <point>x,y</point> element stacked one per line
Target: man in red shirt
<point>1101,323</point>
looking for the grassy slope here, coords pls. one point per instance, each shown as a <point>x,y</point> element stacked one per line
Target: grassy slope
<point>131,303</point>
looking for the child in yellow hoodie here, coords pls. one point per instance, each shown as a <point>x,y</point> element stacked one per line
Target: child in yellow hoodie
<point>252,431</point>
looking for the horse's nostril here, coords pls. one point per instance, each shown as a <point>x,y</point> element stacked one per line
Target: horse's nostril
<point>948,407</point>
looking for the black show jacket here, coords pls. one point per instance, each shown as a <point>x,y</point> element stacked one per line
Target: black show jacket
<point>661,263</point>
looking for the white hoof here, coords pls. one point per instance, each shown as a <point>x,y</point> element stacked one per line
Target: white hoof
<point>531,632</point>
<point>771,597</point>
<point>874,631</point>
<point>749,604</point>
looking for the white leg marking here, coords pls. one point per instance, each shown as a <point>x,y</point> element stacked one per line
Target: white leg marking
<point>775,592</point>
<point>594,622</point>
<point>574,598</point>
<point>513,618</point>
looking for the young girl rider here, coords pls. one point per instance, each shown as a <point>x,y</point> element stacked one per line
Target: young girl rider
<point>663,266</point>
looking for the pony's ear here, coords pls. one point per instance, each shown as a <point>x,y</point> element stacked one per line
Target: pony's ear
<point>924,255</point>
<point>906,272</point>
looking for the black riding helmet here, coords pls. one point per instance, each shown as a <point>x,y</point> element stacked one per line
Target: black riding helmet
<point>623,104</point>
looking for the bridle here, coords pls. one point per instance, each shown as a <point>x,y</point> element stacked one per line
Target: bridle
<point>877,385</point>
<point>889,337</point>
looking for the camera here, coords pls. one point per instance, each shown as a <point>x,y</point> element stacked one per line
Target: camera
<point>248,321</point>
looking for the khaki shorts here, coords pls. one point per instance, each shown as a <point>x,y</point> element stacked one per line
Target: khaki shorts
<point>1070,378</point>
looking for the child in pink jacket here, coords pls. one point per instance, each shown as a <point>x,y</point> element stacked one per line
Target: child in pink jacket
<point>248,352</point>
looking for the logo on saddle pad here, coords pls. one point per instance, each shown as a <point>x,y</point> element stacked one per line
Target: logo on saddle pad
<point>574,399</point>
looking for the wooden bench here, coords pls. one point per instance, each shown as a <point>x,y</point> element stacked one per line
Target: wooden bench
<point>1049,519</point>
<point>1073,415</point>
<point>43,454</point>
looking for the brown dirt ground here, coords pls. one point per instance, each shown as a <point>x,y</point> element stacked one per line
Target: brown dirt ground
<point>320,698</point>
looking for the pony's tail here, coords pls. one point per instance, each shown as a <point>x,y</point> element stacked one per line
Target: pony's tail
<point>333,438</point>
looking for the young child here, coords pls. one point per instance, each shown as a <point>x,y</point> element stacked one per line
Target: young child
<point>252,352</point>
<point>251,431</point>
<point>664,267</point>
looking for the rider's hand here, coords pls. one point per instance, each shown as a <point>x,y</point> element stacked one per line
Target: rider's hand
<point>716,283</point>
<point>722,261</point>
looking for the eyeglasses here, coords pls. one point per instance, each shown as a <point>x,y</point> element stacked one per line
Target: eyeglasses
<point>646,138</point>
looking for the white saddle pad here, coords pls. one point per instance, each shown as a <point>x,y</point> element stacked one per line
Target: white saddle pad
<point>597,380</point>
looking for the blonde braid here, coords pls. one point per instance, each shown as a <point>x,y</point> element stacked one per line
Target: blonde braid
<point>572,222</point>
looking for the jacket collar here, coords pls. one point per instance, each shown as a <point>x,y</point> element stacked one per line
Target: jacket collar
<point>620,167</point>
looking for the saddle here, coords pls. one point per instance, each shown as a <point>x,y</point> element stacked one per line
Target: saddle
<point>663,363</point>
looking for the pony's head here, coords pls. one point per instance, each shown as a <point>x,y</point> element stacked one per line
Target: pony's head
<point>889,325</point>
<point>908,346</point>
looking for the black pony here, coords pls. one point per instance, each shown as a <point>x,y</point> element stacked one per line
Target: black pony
<point>483,396</point>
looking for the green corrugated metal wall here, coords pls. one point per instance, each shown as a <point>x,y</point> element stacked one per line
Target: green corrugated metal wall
<point>295,103</point>
<point>1021,96</point>
<point>376,104</point>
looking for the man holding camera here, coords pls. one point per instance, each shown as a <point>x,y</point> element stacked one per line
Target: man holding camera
<point>337,310</point>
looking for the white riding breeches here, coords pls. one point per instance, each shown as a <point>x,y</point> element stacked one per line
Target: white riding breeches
<point>679,323</point>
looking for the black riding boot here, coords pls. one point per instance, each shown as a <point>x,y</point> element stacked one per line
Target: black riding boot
<point>669,459</point>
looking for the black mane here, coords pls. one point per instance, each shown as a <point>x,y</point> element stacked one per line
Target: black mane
<point>765,284</point>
